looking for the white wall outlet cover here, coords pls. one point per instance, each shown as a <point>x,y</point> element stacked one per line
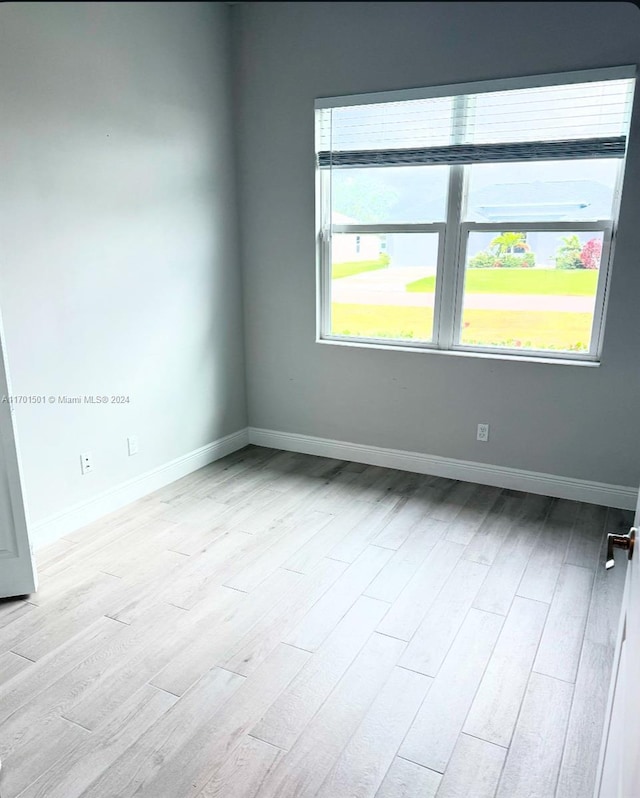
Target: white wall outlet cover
<point>86,462</point>
<point>483,432</point>
<point>132,445</point>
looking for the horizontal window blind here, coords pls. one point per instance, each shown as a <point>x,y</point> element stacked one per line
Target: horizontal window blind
<point>576,120</point>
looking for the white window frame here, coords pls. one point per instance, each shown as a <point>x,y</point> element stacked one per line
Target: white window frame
<point>453,236</point>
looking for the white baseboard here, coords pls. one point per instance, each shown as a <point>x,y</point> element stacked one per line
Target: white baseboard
<point>55,526</point>
<point>530,481</point>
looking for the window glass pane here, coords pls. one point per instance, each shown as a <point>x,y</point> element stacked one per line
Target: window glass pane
<point>542,191</point>
<point>532,290</point>
<point>547,113</point>
<point>391,195</point>
<point>383,286</point>
<point>380,126</point>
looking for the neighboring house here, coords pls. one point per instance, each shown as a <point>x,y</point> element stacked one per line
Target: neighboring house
<point>580,200</point>
<point>412,249</point>
<point>350,247</point>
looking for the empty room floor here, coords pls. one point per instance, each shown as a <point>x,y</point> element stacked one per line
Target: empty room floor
<point>278,625</point>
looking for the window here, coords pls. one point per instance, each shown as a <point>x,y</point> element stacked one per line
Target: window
<point>476,218</point>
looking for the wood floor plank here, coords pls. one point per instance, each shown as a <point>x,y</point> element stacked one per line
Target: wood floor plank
<point>302,528</point>
<point>83,764</point>
<point>318,623</point>
<point>264,636</point>
<point>407,612</point>
<point>434,733</point>
<point>224,557</point>
<point>532,764</point>
<point>310,553</point>
<point>24,760</point>
<point>405,779</point>
<point>43,630</point>
<point>138,595</point>
<point>378,485</point>
<point>543,569</point>
<point>586,722</point>
<point>563,634</point>
<point>143,760</point>
<point>429,646</point>
<point>39,677</point>
<point>472,514</point>
<point>10,611</point>
<point>367,756</point>
<point>364,532</point>
<point>287,717</point>
<point>588,534</point>
<point>300,773</point>
<point>490,535</point>
<point>53,553</point>
<point>193,764</point>
<point>155,641</point>
<point>336,493</point>
<point>235,619</point>
<point>11,665</point>
<point>64,691</point>
<point>474,769</point>
<point>495,709</point>
<point>451,500</point>
<point>506,572</point>
<point>404,517</point>
<point>393,578</point>
<point>243,773</point>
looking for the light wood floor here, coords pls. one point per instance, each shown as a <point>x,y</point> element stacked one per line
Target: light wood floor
<point>284,626</point>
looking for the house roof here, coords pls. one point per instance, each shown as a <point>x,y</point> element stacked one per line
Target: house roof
<point>563,199</point>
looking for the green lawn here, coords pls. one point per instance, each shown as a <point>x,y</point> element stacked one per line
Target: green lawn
<point>349,268</point>
<point>526,329</point>
<point>556,282</point>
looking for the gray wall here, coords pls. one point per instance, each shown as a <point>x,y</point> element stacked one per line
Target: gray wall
<point>118,265</point>
<point>567,420</point>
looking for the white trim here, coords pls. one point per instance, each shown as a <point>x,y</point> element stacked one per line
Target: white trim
<point>55,526</point>
<point>424,348</point>
<point>598,225</point>
<point>475,87</point>
<point>375,229</point>
<point>482,473</point>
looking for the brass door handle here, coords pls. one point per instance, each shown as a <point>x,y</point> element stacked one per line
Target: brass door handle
<point>626,542</point>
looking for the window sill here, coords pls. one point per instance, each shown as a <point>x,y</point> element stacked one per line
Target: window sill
<point>555,361</point>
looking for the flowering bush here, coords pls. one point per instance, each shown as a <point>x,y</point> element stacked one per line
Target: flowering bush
<point>591,254</point>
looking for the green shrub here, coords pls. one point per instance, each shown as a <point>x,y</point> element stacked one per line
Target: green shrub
<point>486,260</point>
<point>526,261</point>
<point>483,260</point>
<point>569,261</point>
<point>568,253</point>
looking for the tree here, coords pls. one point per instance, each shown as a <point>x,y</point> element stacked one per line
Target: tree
<point>366,199</point>
<point>568,253</point>
<point>507,243</point>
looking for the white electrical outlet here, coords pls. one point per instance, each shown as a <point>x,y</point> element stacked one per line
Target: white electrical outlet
<point>86,463</point>
<point>132,445</point>
<point>483,432</point>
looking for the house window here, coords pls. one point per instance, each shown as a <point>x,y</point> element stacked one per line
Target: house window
<point>481,217</point>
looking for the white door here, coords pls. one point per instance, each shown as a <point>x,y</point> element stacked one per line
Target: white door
<point>619,771</point>
<point>17,568</point>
